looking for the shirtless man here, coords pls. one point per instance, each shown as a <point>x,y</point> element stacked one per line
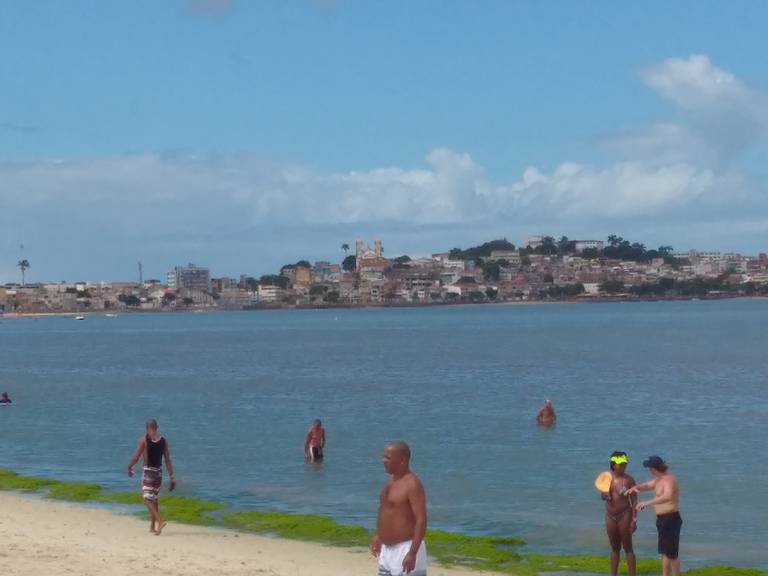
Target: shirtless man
<point>620,514</point>
<point>402,519</point>
<point>314,443</point>
<point>668,520</point>
<point>154,449</point>
<point>546,415</point>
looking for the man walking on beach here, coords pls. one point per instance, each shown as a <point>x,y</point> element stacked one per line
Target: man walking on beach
<point>314,443</point>
<point>154,448</point>
<point>402,518</point>
<point>668,520</point>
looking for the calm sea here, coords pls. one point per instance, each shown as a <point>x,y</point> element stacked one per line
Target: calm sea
<point>235,393</point>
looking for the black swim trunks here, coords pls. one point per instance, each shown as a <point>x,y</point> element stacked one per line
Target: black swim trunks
<point>669,526</point>
<point>316,453</point>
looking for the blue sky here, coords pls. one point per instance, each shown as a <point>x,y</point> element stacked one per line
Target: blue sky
<point>244,135</point>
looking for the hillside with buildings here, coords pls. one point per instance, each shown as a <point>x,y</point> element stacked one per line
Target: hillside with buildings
<point>542,269</point>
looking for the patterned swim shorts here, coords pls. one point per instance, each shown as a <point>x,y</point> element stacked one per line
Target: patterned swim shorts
<point>151,482</point>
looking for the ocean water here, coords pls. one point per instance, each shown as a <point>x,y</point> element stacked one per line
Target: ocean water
<point>235,392</point>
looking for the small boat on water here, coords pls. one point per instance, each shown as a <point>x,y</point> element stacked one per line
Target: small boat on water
<point>79,317</point>
<point>111,315</point>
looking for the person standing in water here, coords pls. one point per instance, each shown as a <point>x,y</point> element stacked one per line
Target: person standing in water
<point>620,513</point>
<point>546,415</point>
<point>314,443</point>
<point>668,519</point>
<point>402,518</point>
<point>4,398</point>
<point>154,448</point>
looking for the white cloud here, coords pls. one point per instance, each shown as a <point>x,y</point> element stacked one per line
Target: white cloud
<point>695,83</point>
<point>620,191</point>
<point>680,172</point>
<point>724,115</point>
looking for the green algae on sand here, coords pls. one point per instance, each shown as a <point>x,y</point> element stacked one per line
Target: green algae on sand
<point>308,527</point>
<point>10,480</point>
<point>487,553</point>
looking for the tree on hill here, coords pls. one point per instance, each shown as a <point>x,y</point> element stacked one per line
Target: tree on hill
<point>317,290</point>
<point>23,266</point>
<point>331,297</point>
<point>492,271</point>
<point>612,286</point>
<point>349,263</point>
<point>274,280</point>
<point>565,246</point>
<point>482,251</point>
<point>345,247</point>
<point>299,264</point>
<point>566,291</point>
<point>129,299</point>
<point>547,247</point>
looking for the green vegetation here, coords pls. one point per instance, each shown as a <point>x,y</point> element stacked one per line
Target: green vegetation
<point>74,491</point>
<point>129,299</point>
<point>9,480</point>
<point>349,264</point>
<point>487,553</point>
<point>274,280</point>
<point>482,251</point>
<point>620,249</point>
<point>696,287</point>
<point>309,527</point>
<point>23,266</point>
<point>586,563</point>
<point>725,571</point>
<point>612,287</point>
<point>318,290</point>
<point>299,264</point>
<point>564,291</point>
<point>491,553</point>
<point>188,510</point>
<point>331,297</point>
<point>492,271</point>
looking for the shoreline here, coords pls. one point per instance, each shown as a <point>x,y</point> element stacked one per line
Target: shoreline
<point>61,521</point>
<point>267,307</point>
<point>58,538</point>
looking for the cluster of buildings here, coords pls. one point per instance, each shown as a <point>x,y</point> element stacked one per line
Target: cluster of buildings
<point>367,278</point>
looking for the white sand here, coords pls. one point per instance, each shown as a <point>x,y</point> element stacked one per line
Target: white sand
<point>41,537</point>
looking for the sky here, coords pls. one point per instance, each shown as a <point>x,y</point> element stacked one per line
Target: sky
<point>246,135</point>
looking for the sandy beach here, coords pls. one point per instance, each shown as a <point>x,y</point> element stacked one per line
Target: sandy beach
<point>55,538</point>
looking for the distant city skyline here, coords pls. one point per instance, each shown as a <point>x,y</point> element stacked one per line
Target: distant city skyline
<point>164,276</point>
<point>243,136</point>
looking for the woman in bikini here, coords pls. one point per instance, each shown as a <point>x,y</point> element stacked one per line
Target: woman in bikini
<point>620,513</point>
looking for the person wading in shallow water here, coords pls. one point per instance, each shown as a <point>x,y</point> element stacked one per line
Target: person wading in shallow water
<point>668,520</point>
<point>620,513</point>
<point>154,448</point>
<point>314,442</point>
<point>546,415</point>
<point>402,519</point>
